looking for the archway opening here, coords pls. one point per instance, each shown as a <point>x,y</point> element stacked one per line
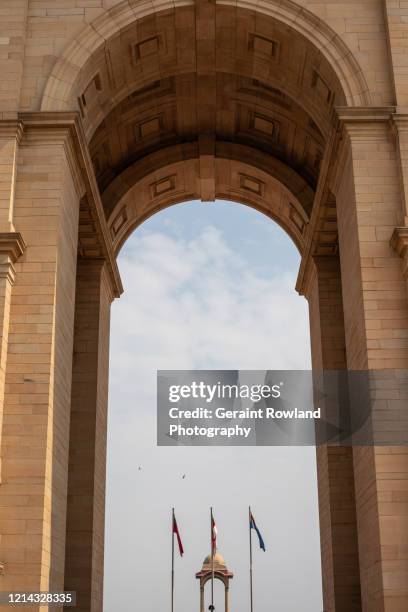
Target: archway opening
<point>207,286</point>
<point>219,595</point>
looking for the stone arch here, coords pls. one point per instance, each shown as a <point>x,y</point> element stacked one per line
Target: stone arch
<point>209,123</point>
<point>59,88</point>
<point>217,576</point>
<point>268,87</point>
<point>177,182</point>
<point>258,160</point>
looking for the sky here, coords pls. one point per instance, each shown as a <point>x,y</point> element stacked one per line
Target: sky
<point>207,286</point>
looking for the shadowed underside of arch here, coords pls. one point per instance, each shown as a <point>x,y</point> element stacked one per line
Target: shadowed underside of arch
<point>204,100</point>
<point>180,181</point>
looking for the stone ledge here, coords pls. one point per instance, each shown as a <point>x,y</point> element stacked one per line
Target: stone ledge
<point>11,129</point>
<point>12,245</point>
<point>365,114</point>
<point>399,241</point>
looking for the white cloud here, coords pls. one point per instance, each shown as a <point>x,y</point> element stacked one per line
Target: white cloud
<point>195,304</point>
<point>198,304</point>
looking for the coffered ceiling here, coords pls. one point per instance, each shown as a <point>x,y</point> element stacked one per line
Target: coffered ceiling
<point>228,75</point>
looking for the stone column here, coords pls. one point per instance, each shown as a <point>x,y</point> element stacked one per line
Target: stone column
<point>202,604</point>
<point>87,444</point>
<point>337,512</point>
<point>39,363</point>
<point>369,206</point>
<point>226,598</point>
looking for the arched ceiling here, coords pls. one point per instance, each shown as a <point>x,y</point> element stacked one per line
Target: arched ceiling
<point>253,115</point>
<point>242,43</point>
<point>179,181</point>
<point>207,82</point>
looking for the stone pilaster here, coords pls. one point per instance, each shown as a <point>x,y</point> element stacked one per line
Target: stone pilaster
<point>337,511</point>
<point>370,204</point>
<point>53,180</point>
<point>39,364</point>
<point>87,445</point>
<point>227,604</point>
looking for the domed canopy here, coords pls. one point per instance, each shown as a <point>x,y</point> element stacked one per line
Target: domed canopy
<point>218,561</point>
<point>221,572</point>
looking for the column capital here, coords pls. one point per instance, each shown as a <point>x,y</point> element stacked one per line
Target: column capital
<point>365,122</point>
<point>365,114</point>
<point>12,245</point>
<point>399,242</point>
<point>400,121</point>
<point>54,128</point>
<point>11,128</point>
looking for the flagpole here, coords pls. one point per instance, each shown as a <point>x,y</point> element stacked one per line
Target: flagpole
<point>212,562</point>
<point>172,561</point>
<point>250,561</point>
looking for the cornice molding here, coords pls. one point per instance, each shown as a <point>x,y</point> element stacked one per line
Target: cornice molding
<point>8,272</point>
<point>11,128</point>
<point>55,129</point>
<point>401,121</point>
<point>365,122</point>
<point>365,114</point>
<point>12,245</point>
<point>365,118</point>
<point>399,241</point>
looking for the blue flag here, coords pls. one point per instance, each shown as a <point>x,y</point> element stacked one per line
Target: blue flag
<point>252,525</point>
